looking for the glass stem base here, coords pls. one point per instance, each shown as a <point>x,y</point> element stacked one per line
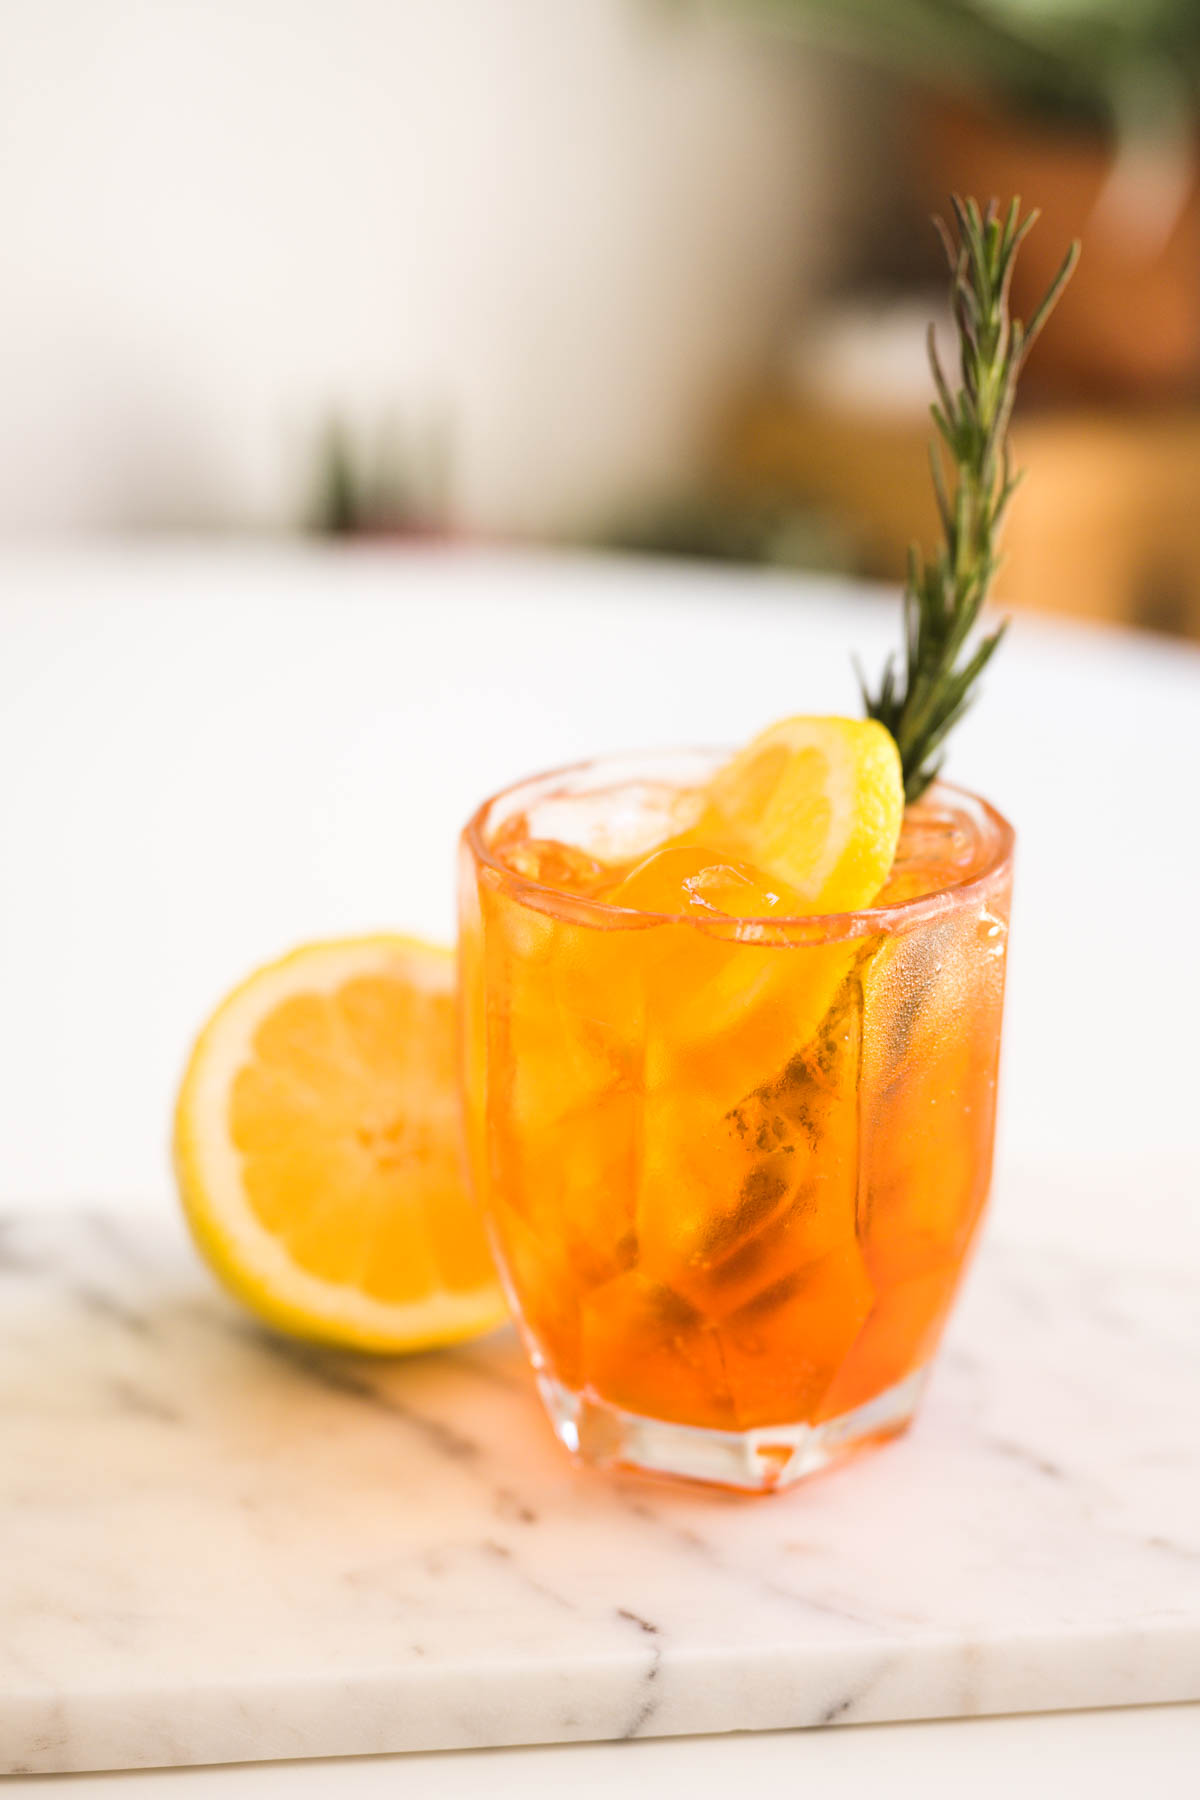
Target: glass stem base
<point>757,1462</point>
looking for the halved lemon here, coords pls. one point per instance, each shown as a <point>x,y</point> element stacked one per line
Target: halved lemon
<point>816,803</point>
<point>317,1149</point>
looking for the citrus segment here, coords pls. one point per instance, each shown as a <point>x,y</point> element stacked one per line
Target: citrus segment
<point>317,1149</point>
<point>816,803</point>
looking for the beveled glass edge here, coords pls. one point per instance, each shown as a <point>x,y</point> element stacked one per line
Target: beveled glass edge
<point>782,933</point>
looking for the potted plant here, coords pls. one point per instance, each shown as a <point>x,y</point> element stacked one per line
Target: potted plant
<point>1091,109</point>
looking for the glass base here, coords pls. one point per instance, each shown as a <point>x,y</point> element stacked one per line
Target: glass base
<point>757,1462</point>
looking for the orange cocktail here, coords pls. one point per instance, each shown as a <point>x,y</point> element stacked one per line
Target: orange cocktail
<point>733,1159</point>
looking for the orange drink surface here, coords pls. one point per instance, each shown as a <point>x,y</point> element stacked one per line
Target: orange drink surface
<point>733,1156</point>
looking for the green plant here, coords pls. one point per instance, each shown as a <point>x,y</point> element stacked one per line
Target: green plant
<point>922,700</point>
<point>392,481</point>
<point>1129,65</point>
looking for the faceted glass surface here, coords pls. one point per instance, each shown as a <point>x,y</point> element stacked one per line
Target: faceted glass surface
<point>732,1166</point>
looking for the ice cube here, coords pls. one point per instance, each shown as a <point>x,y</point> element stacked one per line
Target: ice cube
<point>647,1350</point>
<point>899,1336</point>
<point>615,825</point>
<point>696,881</point>
<point>732,1201</point>
<point>782,1351</point>
<point>941,846</point>
<point>550,863</point>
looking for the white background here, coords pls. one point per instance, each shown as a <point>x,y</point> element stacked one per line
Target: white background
<point>568,231</point>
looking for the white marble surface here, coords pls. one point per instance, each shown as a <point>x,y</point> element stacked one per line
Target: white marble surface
<point>217,1546</point>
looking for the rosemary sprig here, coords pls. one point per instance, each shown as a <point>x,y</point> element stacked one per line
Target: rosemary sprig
<point>921,701</point>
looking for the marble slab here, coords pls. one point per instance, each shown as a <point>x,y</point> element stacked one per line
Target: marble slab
<point>217,1546</point>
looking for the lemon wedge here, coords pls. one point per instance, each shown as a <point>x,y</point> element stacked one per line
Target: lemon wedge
<point>816,803</point>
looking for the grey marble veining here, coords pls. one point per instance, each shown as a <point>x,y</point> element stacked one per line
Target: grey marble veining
<point>215,1545</point>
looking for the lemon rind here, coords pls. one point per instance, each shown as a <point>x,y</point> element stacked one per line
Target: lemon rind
<point>250,1261</point>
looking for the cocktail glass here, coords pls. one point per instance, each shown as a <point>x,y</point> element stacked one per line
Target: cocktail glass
<point>732,1167</point>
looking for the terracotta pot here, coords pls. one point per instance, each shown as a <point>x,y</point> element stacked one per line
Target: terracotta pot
<point>1129,324</point>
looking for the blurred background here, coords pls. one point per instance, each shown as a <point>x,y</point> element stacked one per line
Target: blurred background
<point>642,273</point>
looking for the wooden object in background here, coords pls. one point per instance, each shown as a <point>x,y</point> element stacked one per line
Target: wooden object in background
<point>1107,525</point>
<point>1129,324</point>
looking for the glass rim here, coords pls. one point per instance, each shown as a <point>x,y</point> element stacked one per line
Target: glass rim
<point>797,928</point>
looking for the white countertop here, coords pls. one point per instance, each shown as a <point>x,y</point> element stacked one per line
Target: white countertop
<point>207,754</point>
